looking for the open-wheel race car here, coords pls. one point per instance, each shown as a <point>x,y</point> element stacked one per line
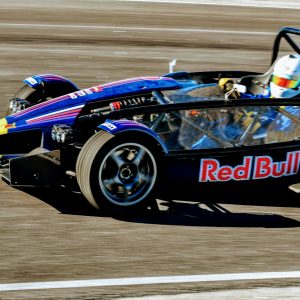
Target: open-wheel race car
<point>126,143</point>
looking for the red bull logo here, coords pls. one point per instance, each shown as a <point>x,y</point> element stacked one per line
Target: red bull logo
<point>253,167</point>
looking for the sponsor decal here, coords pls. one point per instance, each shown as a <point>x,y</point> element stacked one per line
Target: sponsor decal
<point>31,80</point>
<point>81,93</point>
<point>252,168</point>
<point>97,88</point>
<point>7,126</point>
<point>108,125</point>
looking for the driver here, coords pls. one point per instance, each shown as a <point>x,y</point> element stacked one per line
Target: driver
<point>284,82</point>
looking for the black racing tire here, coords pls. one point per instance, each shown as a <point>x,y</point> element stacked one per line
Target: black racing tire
<point>118,174</point>
<point>24,92</point>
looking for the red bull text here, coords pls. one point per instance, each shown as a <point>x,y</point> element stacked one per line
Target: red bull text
<point>252,168</point>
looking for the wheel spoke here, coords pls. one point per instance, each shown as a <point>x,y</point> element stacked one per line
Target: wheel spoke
<point>111,181</point>
<point>144,178</point>
<point>128,189</point>
<point>139,156</point>
<point>117,159</point>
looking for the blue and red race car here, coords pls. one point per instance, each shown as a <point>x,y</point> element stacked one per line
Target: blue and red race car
<point>129,142</point>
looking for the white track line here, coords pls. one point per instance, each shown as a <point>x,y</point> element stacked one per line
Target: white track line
<point>145,280</point>
<point>99,27</point>
<point>246,3</point>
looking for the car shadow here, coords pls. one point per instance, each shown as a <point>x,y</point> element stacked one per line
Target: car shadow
<point>211,214</point>
<point>204,213</point>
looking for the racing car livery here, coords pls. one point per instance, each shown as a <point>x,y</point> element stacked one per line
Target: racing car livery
<point>126,143</point>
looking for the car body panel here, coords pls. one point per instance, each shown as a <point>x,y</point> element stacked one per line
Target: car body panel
<point>128,126</point>
<point>206,141</point>
<point>67,107</point>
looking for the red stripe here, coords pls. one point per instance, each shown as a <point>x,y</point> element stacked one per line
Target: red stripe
<point>37,106</point>
<point>51,119</point>
<point>55,116</point>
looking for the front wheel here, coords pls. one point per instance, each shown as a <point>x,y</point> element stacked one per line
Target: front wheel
<point>118,174</point>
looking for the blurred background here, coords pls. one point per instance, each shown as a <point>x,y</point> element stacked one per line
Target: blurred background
<point>97,41</point>
<point>93,42</point>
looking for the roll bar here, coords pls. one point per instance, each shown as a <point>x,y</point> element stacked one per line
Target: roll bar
<point>283,33</point>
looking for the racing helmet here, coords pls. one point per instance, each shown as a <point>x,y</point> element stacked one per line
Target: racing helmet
<point>285,80</point>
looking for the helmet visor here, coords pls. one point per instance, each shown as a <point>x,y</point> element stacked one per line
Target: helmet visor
<point>285,83</point>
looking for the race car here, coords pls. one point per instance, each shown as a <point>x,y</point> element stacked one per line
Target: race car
<point>124,144</point>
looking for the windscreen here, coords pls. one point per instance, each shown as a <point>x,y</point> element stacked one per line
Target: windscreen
<point>225,127</point>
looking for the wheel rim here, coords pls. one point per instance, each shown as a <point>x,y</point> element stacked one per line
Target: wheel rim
<point>127,174</point>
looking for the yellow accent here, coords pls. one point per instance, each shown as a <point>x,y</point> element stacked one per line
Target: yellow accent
<point>224,81</point>
<point>3,129</point>
<point>3,122</point>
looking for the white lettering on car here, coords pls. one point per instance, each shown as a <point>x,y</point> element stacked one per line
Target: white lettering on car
<point>31,80</point>
<point>81,93</point>
<point>109,126</point>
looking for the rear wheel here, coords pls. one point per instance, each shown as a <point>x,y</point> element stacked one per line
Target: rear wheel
<point>118,174</point>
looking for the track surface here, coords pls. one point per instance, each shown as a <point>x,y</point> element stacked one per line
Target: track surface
<point>50,235</point>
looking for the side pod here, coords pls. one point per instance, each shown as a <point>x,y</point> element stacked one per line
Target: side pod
<point>24,170</point>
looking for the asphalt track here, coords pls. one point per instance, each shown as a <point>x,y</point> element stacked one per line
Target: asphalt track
<point>53,236</point>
